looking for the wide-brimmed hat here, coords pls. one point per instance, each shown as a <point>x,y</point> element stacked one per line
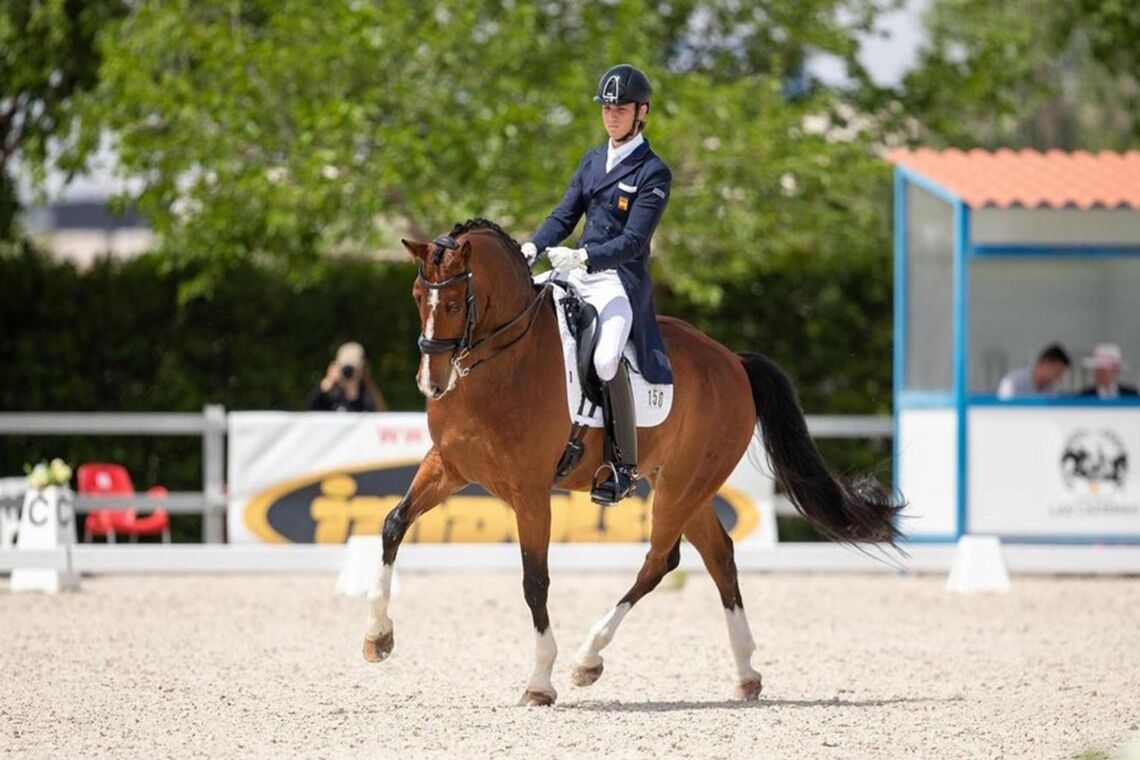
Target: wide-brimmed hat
<point>1105,356</point>
<point>351,353</point>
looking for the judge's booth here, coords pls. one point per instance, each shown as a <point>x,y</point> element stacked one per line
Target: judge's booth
<point>998,255</point>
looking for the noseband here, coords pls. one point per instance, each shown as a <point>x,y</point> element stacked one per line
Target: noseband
<point>462,346</point>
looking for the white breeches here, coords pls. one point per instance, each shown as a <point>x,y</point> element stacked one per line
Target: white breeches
<point>604,291</point>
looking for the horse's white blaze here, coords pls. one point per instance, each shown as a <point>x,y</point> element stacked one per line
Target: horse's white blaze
<point>422,380</point>
<point>740,635</point>
<point>378,621</point>
<point>545,651</point>
<point>601,635</point>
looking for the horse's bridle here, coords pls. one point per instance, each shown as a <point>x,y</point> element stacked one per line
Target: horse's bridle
<point>462,346</point>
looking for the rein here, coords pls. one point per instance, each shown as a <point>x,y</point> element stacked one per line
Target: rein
<point>463,346</point>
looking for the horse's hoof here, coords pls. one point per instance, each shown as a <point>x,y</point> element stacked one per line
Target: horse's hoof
<point>581,676</point>
<point>531,698</point>
<point>749,690</point>
<point>378,649</point>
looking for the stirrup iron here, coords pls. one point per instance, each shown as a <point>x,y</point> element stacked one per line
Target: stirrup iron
<point>619,483</point>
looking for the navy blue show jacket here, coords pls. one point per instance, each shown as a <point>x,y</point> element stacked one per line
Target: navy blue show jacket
<point>622,210</point>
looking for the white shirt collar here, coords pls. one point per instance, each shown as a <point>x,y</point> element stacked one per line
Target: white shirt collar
<point>615,156</point>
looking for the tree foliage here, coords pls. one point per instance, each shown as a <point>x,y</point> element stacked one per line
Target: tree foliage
<point>286,130</point>
<point>1069,80</point>
<point>47,56</point>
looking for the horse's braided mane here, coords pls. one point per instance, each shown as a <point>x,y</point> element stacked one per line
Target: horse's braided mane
<point>479,223</point>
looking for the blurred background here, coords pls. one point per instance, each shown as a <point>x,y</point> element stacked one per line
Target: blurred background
<point>199,201</point>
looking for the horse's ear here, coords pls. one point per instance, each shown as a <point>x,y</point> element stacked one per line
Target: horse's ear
<point>417,248</point>
<point>464,253</point>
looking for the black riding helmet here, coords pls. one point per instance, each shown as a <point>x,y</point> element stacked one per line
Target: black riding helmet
<point>623,84</point>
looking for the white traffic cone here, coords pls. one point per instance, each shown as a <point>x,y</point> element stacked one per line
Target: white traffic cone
<point>978,566</point>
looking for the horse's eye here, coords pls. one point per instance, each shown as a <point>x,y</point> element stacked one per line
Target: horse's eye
<point>454,307</point>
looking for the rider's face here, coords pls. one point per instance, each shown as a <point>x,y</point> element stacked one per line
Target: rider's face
<point>618,120</point>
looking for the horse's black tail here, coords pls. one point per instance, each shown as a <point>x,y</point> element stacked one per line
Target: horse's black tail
<point>858,511</point>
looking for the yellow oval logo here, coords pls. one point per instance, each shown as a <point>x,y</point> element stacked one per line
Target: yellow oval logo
<point>328,507</point>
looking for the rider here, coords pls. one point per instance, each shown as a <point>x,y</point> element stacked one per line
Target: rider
<point>622,188</point>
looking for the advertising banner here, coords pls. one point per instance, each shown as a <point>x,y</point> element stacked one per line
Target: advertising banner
<point>1064,473</point>
<point>322,477</point>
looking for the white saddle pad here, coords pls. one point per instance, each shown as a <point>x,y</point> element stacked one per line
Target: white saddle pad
<point>653,402</point>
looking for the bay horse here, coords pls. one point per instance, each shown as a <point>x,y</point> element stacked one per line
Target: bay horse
<point>505,425</point>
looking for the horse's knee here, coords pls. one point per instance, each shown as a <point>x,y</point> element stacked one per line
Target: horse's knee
<point>651,573</point>
<point>395,526</point>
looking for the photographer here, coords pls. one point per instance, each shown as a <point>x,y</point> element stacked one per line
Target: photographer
<point>347,385</point>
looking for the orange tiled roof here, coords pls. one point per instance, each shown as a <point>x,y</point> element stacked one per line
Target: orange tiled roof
<point>1029,178</point>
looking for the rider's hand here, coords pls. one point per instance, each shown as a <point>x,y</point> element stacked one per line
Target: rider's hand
<point>530,252</point>
<point>567,259</point>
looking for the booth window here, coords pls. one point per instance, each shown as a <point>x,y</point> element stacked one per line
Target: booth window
<point>1019,304</point>
<point>929,293</point>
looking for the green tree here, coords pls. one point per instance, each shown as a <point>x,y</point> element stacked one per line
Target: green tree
<point>47,57</point>
<point>287,130</point>
<point>1069,80</point>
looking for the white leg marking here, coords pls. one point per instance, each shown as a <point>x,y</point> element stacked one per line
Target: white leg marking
<point>378,621</point>
<point>545,650</point>
<point>429,332</point>
<point>740,635</point>
<point>601,635</point>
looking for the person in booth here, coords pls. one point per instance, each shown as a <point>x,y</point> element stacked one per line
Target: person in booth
<point>1041,379</point>
<point>1106,362</point>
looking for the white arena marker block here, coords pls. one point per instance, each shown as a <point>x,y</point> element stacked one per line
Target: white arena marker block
<point>47,521</point>
<point>978,566</point>
<point>361,566</point>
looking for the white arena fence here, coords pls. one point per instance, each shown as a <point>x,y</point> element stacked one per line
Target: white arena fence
<point>214,556</point>
<point>211,426</point>
<point>1045,559</point>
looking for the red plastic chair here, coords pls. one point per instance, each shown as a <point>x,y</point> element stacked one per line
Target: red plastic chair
<point>103,479</point>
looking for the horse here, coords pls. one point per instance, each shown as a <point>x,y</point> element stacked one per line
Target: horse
<point>497,414</point>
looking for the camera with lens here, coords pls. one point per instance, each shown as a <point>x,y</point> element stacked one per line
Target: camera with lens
<point>347,371</point>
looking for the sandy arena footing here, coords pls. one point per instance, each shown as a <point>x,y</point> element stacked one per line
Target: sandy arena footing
<point>854,666</point>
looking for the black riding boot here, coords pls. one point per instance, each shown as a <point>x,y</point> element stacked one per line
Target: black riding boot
<point>615,479</point>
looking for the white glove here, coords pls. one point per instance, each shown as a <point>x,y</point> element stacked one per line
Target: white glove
<point>567,259</point>
<point>530,252</point>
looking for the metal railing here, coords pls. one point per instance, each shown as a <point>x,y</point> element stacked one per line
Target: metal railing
<point>210,424</point>
<point>210,502</point>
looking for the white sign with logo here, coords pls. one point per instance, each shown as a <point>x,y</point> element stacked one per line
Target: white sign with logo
<point>1061,472</point>
<point>325,477</point>
<point>47,521</point>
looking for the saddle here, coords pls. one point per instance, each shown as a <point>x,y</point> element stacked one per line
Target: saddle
<point>579,330</point>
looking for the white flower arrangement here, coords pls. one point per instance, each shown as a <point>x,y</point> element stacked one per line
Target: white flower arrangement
<point>44,474</point>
